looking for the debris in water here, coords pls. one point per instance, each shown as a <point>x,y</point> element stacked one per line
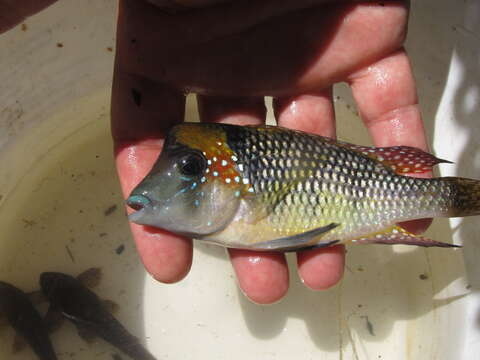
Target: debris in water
<point>423,276</point>
<point>70,254</point>
<point>110,210</point>
<point>28,223</point>
<point>120,249</point>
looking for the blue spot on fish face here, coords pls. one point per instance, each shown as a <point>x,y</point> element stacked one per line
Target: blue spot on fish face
<point>182,191</point>
<point>196,203</point>
<point>193,186</point>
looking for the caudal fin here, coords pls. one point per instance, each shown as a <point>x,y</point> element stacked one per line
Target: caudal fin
<point>465,196</point>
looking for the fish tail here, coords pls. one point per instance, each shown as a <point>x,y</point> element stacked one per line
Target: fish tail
<point>465,196</point>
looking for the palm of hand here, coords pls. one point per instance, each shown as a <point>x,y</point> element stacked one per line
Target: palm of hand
<point>234,54</point>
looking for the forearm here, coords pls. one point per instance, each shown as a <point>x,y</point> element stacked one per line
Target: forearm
<point>13,12</point>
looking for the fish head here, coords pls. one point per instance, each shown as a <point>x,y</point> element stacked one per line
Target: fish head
<point>53,283</point>
<point>194,187</point>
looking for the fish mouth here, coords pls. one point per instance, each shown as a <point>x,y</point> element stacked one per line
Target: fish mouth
<point>138,202</point>
<point>143,208</point>
<point>137,216</point>
<point>148,213</point>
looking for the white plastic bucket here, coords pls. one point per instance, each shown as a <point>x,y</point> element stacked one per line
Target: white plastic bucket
<point>58,192</point>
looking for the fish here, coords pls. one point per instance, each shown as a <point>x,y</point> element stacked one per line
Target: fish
<point>269,188</point>
<point>27,322</point>
<point>88,312</point>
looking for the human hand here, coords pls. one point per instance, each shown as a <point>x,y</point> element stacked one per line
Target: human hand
<point>234,53</point>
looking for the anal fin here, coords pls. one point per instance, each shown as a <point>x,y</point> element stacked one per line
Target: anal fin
<point>397,235</point>
<point>313,247</point>
<point>297,242</point>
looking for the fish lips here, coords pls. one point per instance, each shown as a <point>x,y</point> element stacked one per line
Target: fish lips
<point>145,216</point>
<point>154,215</point>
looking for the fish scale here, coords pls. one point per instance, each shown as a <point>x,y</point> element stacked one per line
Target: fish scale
<point>341,191</point>
<point>270,188</point>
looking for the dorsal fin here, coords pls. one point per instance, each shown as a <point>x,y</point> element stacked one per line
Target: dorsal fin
<point>400,159</point>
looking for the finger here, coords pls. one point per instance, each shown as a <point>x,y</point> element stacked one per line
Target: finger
<point>263,277</point>
<point>312,113</point>
<point>388,104</point>
<point>324,44</point>
<point>142,111</point>
<point>232,110</point>
<point>321,268</point>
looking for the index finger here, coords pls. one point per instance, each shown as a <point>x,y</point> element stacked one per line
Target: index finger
<point>387,101</point>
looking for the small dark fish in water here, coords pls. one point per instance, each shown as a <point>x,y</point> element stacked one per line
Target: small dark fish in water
<point>87,311</point>
<point>270,188</point>
<point>27,322</point>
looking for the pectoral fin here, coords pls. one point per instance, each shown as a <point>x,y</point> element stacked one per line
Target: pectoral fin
<point>53,319</point>
<point>111,306</point>
<point>36,297</point>
<point>397,235</point>
<point>298,242</point>
<point>90,278</point>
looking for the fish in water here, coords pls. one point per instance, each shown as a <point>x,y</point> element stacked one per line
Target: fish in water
<point>271,188</point>
<point>85,309</point>
<point>27,322</point>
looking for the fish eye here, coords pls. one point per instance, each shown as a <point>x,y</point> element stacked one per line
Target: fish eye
<point>192,164</point>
